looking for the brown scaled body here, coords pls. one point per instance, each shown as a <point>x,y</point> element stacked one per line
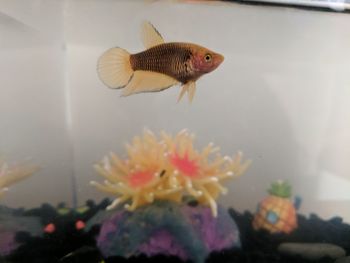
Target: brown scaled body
<point>172,59</point>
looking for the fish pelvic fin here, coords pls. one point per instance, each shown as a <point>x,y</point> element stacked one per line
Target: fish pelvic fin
<point>190,88</point>
<point>191,91</point>
<point>114,68</point>
<point>148,81</point>
<point>150,36</point>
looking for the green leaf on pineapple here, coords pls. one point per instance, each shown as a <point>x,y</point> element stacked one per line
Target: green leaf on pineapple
<point>281,189</point>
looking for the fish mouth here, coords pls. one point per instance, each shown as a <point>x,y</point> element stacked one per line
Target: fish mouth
<point>218,59</point>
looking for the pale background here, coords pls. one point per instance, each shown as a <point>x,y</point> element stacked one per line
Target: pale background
<point>281,95</point>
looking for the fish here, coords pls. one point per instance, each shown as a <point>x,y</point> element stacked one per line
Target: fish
<point>161,66</point>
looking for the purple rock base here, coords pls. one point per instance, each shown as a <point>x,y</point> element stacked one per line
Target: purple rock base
<point>162,242</point>
<point>7,242</point>
<point>167,228</point>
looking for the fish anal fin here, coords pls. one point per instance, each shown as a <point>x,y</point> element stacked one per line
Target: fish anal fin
<point>190,88</point>
<point>148,81</point>
<point>150,36</point>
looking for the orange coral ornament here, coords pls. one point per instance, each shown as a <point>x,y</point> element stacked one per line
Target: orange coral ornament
<point>276,213</point>
<point>168,169</point>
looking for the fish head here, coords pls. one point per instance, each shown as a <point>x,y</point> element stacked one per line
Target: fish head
<point>205,60</point>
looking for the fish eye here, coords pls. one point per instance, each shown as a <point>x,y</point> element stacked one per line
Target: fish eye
<point>207,58</point>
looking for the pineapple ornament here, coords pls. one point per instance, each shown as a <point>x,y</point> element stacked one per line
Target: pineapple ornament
<point>276,213</point>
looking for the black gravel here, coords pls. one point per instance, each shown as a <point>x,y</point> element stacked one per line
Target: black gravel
<point>69,245</point>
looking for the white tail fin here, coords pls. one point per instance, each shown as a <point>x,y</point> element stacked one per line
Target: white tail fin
<point>114,68</point>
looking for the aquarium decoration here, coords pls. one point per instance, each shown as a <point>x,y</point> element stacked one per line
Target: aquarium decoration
<point>10,175</point>
<point>328,239</point>
<point>167,168</point>
<point>176,226</point>
<point>276,213</point>
<point>152,185</point>
<point>189,232</point>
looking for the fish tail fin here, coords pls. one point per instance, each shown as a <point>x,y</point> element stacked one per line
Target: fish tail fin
<point>114,68</point>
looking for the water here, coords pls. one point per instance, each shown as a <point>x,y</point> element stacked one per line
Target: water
<point>280,97</point>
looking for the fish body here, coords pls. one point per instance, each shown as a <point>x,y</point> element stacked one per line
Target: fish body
<point>159,67</point>
<point>177,60</point>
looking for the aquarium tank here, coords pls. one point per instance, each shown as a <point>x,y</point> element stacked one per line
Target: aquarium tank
<point>175,130</point>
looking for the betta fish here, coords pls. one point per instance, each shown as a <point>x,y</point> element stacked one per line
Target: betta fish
<point>161,66</point>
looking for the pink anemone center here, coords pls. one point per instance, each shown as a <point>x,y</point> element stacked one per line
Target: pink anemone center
<point>184,164</point>
<point>140,178</point>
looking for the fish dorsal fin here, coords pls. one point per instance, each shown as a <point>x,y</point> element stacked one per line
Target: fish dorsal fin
<point>148,81</point>
<point>190,88</point>
<point>150,36</point>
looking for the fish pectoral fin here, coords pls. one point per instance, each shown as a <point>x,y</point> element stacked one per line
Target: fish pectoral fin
<point>148,81</point>
<point>190,88</point>
<point>150,36</point>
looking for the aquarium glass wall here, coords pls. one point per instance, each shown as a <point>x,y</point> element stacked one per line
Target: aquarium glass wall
<point>257,156</point>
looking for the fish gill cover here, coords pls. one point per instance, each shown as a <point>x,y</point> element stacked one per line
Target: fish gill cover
<point>167,168</point>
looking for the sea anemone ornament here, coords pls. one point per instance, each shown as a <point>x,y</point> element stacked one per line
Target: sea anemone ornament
<point>167,168</point>
<point>10,175</point>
